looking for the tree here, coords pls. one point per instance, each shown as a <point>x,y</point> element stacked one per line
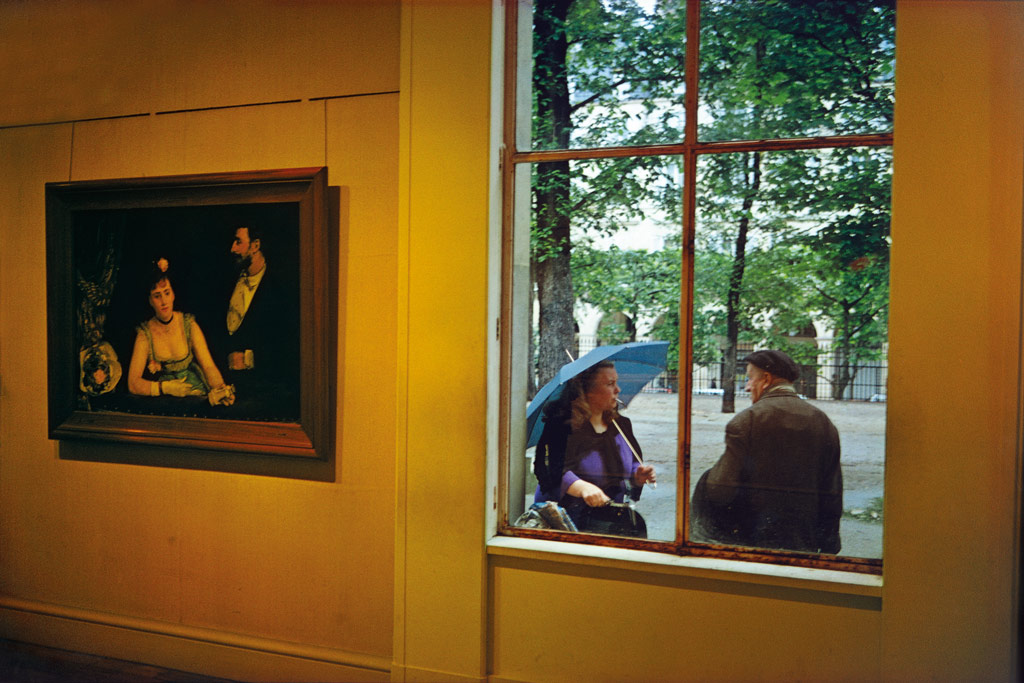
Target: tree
<point>635,282</point>
<point>590,56</point>
<point>769,250</point>
<point>550,236</point>
<point>742,179</point>
<point>775,69</point>
<point>814,251</point>
<point>847,260</point>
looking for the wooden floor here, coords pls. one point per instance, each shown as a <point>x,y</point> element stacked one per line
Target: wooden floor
<point>23,663</point>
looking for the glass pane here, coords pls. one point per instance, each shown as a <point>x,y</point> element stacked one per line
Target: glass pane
<point>603,284</point>
<point>792,254</point>
<point>792,68</point>
<point>603,73</point>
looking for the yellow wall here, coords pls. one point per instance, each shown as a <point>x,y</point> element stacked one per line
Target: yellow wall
<point>232,574</point>
<point>443,336</point>
<point>953,467</point>
<point>384,572</point>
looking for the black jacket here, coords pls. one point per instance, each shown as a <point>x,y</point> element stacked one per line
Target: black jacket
<point>549,456</point>
<point>270,329</point>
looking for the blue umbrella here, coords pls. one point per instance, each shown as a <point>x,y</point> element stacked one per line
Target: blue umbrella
<point>637,363</point>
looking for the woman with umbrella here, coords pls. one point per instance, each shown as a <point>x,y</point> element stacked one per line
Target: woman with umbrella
<point>602,461</point>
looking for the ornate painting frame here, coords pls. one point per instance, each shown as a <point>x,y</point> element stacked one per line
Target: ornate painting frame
<point>100,238</point>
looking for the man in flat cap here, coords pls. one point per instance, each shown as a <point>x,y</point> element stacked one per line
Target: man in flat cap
<point>778,484</point>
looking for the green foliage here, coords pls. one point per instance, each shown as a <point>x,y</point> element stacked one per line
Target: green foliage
<point>635,282</point>
<point>786,241</point>
<point>803,235</point>
<point>666,328</point>
<point>595,61</point>
<point>604,71</point>
<point>614,333</point>
<point>846,262</point>
<point>817,251</point>
<point>617,62</point>
<point>791,68</point>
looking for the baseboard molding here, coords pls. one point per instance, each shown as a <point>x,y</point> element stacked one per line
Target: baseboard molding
<point>412,674</point>
<point>187,648</point>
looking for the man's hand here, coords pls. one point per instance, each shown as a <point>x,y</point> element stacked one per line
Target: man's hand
<point>223,395</point>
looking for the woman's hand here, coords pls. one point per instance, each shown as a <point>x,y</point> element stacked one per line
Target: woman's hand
<point>592,495</point>
<point>644,475</point>
<point>179,388</point>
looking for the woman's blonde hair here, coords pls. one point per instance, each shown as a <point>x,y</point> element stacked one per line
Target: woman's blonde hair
<point>577,389</point>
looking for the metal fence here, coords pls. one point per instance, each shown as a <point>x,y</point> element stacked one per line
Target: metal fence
<point>816,381</point>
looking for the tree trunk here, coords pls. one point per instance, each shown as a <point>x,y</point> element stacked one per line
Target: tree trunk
<point>841,378</point>
<point>732,303</point>
<point>554,278</point>
<point>555,328</point>
<point>846,367</point>
<point>531,376</point>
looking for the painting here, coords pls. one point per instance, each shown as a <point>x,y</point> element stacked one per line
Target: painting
<point>193,311</point>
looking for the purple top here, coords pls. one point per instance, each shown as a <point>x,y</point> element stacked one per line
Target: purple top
<point>590,468</point>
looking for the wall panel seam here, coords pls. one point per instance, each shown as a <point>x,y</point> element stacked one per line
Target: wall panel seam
<point>319,98</point>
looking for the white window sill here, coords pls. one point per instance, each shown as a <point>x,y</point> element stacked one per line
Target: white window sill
<point>805,578</point>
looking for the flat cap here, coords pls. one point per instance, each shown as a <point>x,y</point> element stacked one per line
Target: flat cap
<point>775,362</point>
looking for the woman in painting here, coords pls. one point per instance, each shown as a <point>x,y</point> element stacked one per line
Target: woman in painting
<point>601,455</point>
<point>171,351</point>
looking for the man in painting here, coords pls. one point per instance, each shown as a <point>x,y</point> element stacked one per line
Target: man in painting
<point>778,484</point>
<point>259,337</point>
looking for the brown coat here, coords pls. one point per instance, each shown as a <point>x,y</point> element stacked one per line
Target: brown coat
<point>778,484</point>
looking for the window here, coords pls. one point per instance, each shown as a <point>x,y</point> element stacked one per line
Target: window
<point>703,180</point>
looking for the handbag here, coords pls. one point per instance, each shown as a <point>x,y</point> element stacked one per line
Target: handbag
<point>546,515</point>
<point>614,519</point>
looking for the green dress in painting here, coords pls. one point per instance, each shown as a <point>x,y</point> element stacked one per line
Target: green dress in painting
<point>164,369</point>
